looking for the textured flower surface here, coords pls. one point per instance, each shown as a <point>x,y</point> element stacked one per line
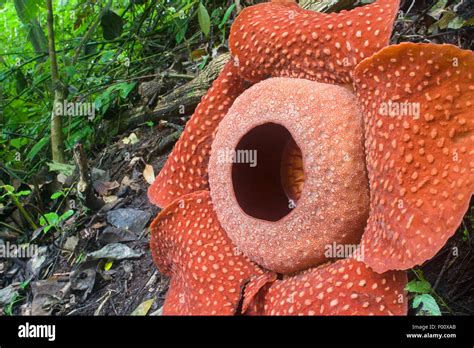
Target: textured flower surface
<point>267,178</point>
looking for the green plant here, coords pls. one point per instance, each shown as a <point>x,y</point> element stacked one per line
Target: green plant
<point>15,198</point>
<point>8,309</point>
<point>423,295</point>
<point>53,220</point>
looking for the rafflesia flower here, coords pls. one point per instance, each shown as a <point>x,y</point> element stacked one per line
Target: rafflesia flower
<point>339,141</point>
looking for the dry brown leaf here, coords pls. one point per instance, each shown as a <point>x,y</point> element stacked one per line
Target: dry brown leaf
<point>149,174</point>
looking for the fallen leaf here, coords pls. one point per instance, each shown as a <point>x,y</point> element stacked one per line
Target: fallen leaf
<point>103,187</point>
<point>109,199</point>
<point>134,160</point>
<point>143,308</point>
<point>131,139</point>
<point>149,174</point>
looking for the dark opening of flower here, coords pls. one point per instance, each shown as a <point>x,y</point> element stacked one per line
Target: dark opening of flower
<point>261,186</point>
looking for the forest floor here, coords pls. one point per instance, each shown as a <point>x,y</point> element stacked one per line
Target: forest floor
<point>69,277</point>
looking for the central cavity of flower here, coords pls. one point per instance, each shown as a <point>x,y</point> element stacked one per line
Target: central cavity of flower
<point>269,190</point>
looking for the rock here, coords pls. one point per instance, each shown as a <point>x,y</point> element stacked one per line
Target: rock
<point>83,277</point>
<point>7,295</point>
<point>114,252</point>
<point>36,263</point>
<point>46,295</point>
<point>71,243</point>
<point>131,219</point>
<point>116,235</point>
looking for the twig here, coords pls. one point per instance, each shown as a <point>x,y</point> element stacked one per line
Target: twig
<point>441,273</point>
<point>23,212</point>
<point>84,184</point>
<point>11,227</point>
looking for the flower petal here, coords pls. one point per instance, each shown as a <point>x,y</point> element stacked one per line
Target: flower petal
<point>253,287</point>
<point>345,287</point>
<point>283,40</point>
<point>418,103</point>
<point>185,171</point>
<point>207,273</point>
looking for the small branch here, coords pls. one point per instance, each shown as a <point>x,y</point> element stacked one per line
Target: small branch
<point>10,227</point>
<point>24,212</point>
<point>84,184</point>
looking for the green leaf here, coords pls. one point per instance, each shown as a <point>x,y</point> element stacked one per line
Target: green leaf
<point>203,19</point>
<point>37,148</point>
<point>102,101</point>
<point>465,236</point>
<point>447,17</point>
<point>469,22</point>
<point>49,219</point>
<point>456,23</point>
<point>181,32</point>
<point>79,135</point>
<point>203,63</point>
<point>25,284</point>
<point>63,168</point>
<point>18,142</point>
<point>418,286</point>
<point>429,305</point>
<point>23,193</point>
<point>57,195</point>
<point>125,88</point>
<point>66,215</point>
<point>226,16</point>
<point>27,9</point>
<point>437,10</point>
<point>70,70</point>
<point>8,188</point>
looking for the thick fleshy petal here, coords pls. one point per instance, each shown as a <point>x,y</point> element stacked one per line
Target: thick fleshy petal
<point>418,104</point>
<point>283,40</point>
<point>207,273</point>
<point>345,287</point>
<point>185,171</point>
<point>253,287</point>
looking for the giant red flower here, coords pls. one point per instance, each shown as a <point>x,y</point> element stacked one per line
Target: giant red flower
<point>250,234</point>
